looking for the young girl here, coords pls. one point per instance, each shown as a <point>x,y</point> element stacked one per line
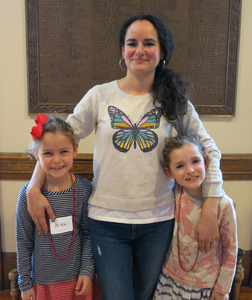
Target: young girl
<point>188,273</point>
<point>59,265</point>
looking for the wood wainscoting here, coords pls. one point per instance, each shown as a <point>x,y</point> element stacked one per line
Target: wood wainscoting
<point>18,166</point>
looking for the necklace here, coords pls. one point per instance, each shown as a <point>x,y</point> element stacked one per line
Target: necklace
<point>197,255</point>
<point>74,219</point>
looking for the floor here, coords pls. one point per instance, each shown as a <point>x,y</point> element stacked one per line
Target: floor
<point>245,294</point>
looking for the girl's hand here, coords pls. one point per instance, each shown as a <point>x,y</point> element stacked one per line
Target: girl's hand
<point>83,285</point>
<point>28,295</point>
<point>206,231</point>
<point>217,296</point>
<point>37,204</point>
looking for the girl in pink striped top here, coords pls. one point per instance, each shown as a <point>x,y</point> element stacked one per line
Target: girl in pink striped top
<point>188,273</point>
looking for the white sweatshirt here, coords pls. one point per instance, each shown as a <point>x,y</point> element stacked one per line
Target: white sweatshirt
<point>129,137</point>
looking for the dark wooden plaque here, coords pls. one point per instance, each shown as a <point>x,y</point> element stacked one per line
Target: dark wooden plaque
<point>73,45</point>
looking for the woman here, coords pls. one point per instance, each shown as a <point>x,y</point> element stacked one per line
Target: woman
<point>131,209</point>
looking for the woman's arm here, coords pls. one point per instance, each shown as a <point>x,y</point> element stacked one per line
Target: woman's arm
<point>87,264</point>
<point>207,221</point>
<point>206,230</point>
<point>36,202</point>
<point>83,121</point>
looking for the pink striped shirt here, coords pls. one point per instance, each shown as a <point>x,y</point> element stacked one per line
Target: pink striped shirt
<point>213,269</point>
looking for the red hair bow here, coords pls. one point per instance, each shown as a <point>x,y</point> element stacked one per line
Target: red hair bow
<point>38,129</point>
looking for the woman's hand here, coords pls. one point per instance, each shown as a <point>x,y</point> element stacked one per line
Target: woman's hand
<point>217,296</point>
<point>83,285</point>
<point>28,295</point>
<point>37,204</point>
<point>206,231</point>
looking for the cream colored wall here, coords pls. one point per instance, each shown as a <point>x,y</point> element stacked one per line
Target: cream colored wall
<point>232,135</point>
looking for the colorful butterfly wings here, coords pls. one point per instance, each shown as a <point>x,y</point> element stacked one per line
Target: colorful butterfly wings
<point>140,133</point>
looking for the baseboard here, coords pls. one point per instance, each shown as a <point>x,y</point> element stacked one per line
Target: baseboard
<point>9,263</point>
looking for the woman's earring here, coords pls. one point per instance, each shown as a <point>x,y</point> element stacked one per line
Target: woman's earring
<point>163,65</point>
<point>120,64</point>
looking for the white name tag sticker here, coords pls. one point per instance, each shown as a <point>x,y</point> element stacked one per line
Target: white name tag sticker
<point>61,225</point>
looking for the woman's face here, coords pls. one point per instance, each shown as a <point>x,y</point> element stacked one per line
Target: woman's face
<point>141,49</point>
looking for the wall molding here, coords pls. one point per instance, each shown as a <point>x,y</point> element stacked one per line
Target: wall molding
<point>18,166</point>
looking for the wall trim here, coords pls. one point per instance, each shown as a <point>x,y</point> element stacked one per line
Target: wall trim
<point>18,166</point>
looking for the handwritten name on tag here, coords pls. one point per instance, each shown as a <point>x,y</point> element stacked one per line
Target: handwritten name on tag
<point>61,225</point>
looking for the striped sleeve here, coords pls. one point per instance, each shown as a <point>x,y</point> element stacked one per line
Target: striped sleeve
<point>24,242</point>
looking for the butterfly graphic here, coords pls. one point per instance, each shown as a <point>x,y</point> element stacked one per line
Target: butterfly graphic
<point>129,133</point>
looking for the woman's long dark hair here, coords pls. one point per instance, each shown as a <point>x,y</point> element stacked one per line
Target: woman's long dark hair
<point>168,88</point>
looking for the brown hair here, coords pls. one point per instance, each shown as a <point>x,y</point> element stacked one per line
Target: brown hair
<point>169,90</point>
<point>55,124</point>
<point>177,142</point>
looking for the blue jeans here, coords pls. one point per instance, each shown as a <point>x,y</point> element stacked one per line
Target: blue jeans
<point>129,257</point>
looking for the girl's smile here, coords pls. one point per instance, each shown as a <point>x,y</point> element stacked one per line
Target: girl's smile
<point>192,178</point>
<point>58,168</point>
